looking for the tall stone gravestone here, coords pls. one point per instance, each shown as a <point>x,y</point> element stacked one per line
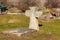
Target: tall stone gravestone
<point>33,21</point>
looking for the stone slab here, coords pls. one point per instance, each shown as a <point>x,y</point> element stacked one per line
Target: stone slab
<point>19,31</point>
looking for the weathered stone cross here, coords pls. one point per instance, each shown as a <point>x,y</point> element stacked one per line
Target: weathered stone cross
<point>33,25</point>
<point>33,21</point>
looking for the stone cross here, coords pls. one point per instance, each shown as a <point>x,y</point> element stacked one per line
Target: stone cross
<point>33,21</point>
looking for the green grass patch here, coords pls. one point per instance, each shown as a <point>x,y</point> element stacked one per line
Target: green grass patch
<point>4,25</point>
<point>53,27</point>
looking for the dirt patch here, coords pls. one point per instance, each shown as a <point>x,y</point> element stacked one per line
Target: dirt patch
<point>30,36</point>
<point>14,21</point>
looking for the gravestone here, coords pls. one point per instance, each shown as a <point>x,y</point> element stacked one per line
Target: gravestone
<point>33,21</point>
<point>33,25</point>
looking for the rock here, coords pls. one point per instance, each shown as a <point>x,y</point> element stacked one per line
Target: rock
<point>49,33</point>
<point>14,10</point>
<point>58,18</point>
<point>38,14</point>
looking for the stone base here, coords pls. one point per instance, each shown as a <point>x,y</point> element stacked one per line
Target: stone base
<point>19,32</point>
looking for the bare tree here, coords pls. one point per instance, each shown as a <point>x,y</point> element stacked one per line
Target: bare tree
<point>24,4</point>
<point>53,3</point>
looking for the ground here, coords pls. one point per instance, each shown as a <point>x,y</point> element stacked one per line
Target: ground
<point>49,30</point>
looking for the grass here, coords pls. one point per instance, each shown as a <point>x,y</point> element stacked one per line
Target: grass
<point>21,21</point>
<point>49,30</point>
<point>53,27</point>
